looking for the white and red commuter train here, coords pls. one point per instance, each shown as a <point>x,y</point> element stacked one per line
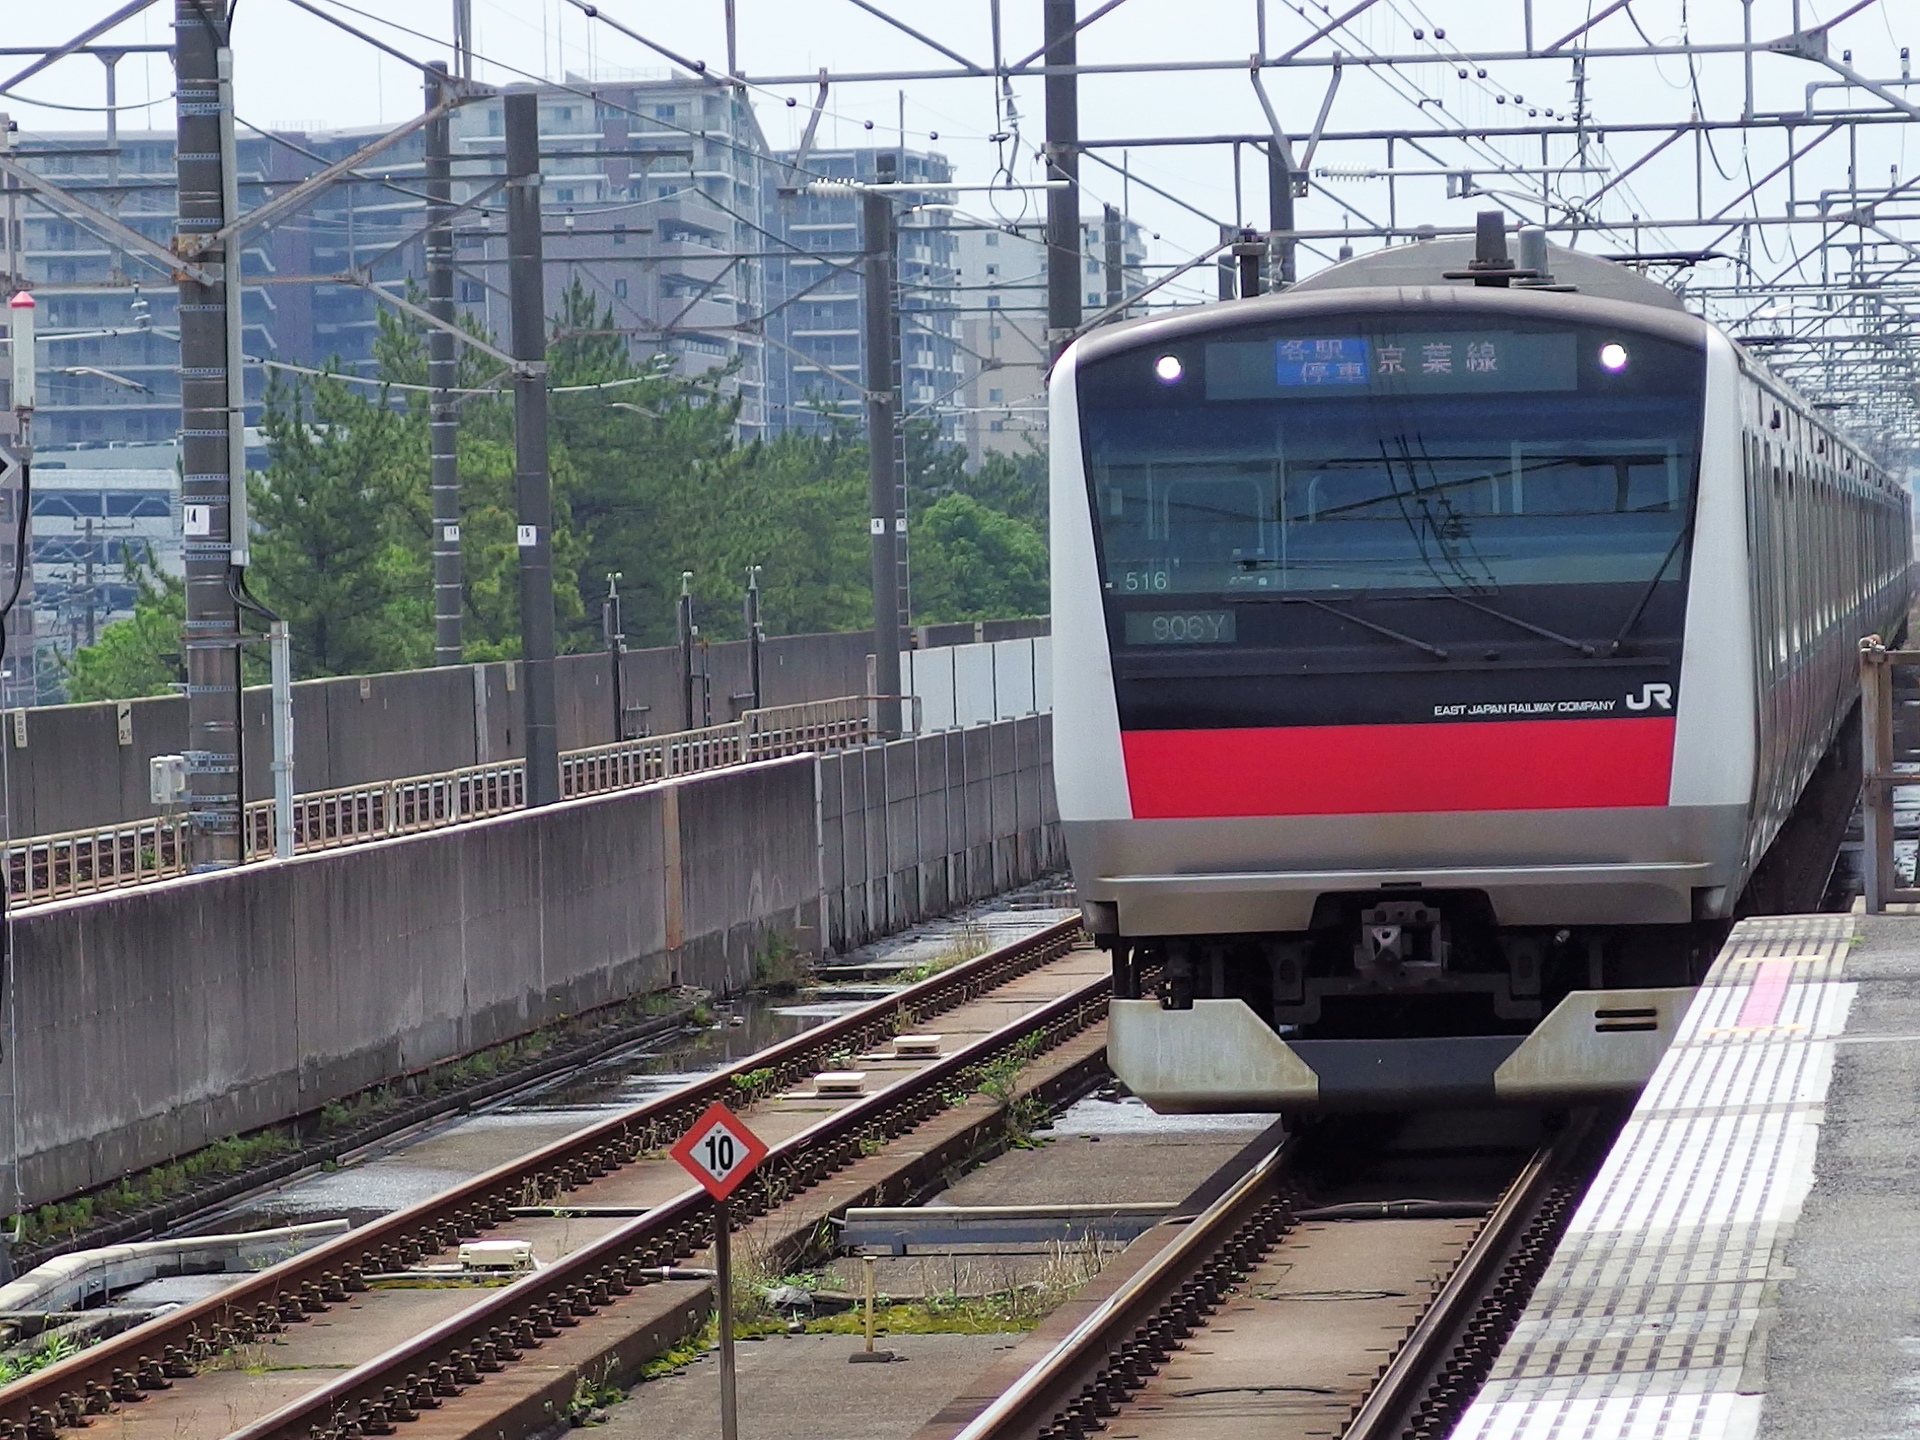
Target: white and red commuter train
<point>1438,652</point>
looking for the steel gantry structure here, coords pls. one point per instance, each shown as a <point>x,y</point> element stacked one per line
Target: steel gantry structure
<point>1744,156</point>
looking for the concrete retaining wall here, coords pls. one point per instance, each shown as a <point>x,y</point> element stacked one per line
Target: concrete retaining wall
<point>921,826</point>
<point>153,1021</point>
<point>87,764</point>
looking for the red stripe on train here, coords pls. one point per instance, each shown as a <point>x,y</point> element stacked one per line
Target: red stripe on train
<point>1399,769</point>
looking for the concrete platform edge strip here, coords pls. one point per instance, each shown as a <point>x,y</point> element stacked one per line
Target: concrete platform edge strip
<point>1642,1326</point>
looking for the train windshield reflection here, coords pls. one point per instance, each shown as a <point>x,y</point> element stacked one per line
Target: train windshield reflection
<point>1376,493</point>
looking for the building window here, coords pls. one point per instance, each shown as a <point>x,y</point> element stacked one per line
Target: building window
<point>620,293</point>
<point>564,197</point>
<point>993,237</point>
<point>996,427</point>
<point>1093,267</point>
<point>663,112</point>
<point>620,236</point>
<point>993,332</point>
<point>991,270</point>
<point>1093,297</point>
<point>471,292</point>
<point>993,303</point>
<point>993,398</point>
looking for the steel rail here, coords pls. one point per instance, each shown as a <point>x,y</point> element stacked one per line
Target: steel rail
<point>1091,1372</point>
<point>150,1356</point>
<point>1382,1413</point>
<point>1061,1375</point>
<point>458,1349</point>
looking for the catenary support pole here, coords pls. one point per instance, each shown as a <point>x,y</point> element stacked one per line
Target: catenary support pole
<point>614,630</point>
<point>1115,257</point>
<point>532,489</point>
<point>208,483</point>
<point>1063,163</point>
<point>876,231</point>
<point>756,634</point>
<point>442,375</point>
<point>280,661</point>
<point>688,634</point>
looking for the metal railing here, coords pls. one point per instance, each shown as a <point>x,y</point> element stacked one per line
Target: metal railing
<point>1878,775</point>
<point>110,857</point>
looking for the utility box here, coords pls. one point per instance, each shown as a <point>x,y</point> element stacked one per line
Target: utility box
<point>167,779</point>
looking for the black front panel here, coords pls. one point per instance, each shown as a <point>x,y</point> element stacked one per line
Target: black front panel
<point>1366,520</point>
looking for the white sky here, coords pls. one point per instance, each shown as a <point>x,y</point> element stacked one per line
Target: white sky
<point>294,69</point>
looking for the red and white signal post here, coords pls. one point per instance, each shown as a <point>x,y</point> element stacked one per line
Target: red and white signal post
<point>720,1152</point>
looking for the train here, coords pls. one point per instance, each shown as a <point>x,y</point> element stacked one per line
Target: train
<point>1447,650</point>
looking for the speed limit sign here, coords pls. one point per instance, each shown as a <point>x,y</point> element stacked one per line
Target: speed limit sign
<point>719,1151</point>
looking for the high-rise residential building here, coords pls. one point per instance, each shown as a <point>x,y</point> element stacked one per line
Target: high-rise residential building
<point>93,511</point>
<point>653,194</point>
<point>1003,308</point>
<point>654,188</point>
<point>816,323</point>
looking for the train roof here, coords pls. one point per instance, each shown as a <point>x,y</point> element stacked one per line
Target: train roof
<point>1425,263</point>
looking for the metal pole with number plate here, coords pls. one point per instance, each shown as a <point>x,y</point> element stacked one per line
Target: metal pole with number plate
<point>720,1152</point>
<point>723,1283</point>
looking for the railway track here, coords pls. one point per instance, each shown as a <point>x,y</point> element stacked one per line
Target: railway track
<point>1369,1319</point>
<point>493,1328</point>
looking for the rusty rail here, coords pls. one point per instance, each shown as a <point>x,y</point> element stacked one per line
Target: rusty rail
<point>67,1394</point>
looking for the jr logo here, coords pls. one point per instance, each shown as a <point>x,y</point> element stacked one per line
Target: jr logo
<point>1651,695</point>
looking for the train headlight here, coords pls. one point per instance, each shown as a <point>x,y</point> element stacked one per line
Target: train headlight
<point>1613,356</point>
<point>1169,369</point>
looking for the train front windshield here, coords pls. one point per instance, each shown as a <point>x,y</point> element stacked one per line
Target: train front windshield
<point>1330,465</point>
<point>1365,496</point>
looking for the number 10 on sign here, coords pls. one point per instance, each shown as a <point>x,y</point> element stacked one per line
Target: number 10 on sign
<point>719,1151</point>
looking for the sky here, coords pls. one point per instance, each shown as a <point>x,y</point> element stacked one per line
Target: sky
<point>296,69</point>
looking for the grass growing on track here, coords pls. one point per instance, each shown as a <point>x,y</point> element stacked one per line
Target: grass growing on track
<point>968,943</point>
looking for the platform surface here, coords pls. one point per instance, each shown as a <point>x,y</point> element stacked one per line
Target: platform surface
<point>1747,1263</point>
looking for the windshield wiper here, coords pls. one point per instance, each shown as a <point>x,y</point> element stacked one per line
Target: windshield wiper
<point>1540,630</point>
<point>1646,595</point>
<point>1335,610</point>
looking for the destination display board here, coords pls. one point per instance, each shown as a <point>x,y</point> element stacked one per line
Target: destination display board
<point>1419,362</point>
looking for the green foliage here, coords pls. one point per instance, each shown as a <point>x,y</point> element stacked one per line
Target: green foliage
<point>141,654</point>
<point>778,966</point>
<point>648,479</point>
<point>213,1162</point>
<point>972,562</point>
<point>333,555</point>
<point>49,1352</point>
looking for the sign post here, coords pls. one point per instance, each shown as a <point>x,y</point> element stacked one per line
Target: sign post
<point>720,1152</point>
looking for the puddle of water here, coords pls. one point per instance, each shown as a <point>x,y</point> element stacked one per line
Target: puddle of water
<point>425,1163</point>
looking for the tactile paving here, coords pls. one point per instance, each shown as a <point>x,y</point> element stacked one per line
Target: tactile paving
<point>1645,1321</point>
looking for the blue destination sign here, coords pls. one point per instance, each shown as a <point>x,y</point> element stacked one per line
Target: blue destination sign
<point>1457,362</point>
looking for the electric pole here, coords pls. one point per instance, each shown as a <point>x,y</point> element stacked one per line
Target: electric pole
<point>1063,163</point>
<point>876,233</point>
<point>533,494</point>
<point>442,374</point>
<point>212,436</point>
